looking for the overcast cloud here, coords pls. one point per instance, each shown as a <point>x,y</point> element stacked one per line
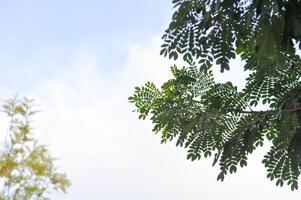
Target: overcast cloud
<point>109,154</point>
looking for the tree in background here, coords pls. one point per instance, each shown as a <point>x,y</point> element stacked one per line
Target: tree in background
<point>27,170</point>
<point>215,119</point>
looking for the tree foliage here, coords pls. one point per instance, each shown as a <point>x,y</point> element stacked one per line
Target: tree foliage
<point>215,119</point>
<point>27,170</point>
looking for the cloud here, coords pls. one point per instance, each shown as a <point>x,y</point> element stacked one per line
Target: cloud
<point>109,154</point>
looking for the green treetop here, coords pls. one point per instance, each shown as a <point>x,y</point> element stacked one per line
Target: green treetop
<point>27,170</point>
<point>215,119</point>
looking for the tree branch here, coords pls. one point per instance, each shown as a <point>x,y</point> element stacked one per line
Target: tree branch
<point>261,111</point>
<point>268,111</point>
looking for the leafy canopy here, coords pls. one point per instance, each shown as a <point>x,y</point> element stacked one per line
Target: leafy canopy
<point>215,119</point>
<point>27,170</point>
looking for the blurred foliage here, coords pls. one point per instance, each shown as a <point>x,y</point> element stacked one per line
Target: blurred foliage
<point>27,170</point>
<point>215,119</point>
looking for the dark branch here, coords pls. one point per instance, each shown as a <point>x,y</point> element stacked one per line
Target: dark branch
<point>261,111</point>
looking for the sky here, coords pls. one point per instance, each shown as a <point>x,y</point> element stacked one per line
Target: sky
<point>81,60</point>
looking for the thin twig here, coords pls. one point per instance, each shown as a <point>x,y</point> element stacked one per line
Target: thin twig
<point>261,111</point>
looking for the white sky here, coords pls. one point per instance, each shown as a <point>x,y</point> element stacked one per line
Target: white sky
<point>82,84</point>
